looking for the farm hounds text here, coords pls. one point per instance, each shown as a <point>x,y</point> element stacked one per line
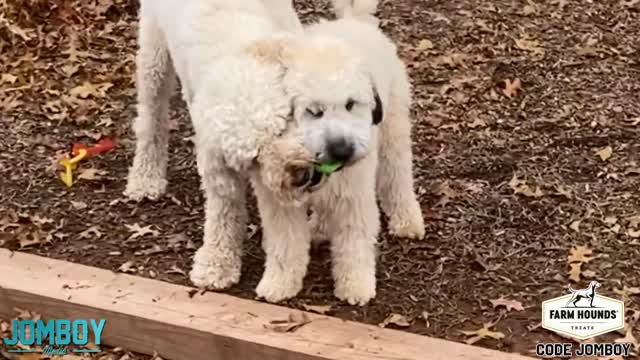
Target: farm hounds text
<point>583,314</point>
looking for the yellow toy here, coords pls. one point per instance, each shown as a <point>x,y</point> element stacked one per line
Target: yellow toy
<point>70,164</point>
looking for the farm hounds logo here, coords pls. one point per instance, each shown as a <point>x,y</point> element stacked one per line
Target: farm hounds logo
<point>583,314</point>
<point>53,336</point>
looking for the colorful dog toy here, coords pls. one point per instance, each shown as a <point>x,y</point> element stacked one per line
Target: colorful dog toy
<point>80,152</point>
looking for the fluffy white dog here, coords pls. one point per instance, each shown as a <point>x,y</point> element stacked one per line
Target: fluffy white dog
<point>351,98</point>
<point>237,105</point>
<point>348,96</point>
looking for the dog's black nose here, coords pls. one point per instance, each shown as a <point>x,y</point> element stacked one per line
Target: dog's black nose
<point>340,149</point>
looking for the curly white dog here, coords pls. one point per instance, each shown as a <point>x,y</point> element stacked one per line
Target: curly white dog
<point>240,78</point>
<point>351,98</point>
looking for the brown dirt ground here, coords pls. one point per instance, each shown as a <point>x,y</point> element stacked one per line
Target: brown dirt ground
<point>509,178</point>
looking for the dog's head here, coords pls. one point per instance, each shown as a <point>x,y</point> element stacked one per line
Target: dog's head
<point>594,284</point>
<point>335,104</point>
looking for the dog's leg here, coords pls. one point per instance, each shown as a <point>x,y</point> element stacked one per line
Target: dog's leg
<point>286,240</point>
<point>319,233</point>
<point>217,263</point>
<point>353,223</point>
<point>395,169</point>
<point>156,81</point>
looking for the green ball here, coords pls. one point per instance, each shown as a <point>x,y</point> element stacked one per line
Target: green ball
<point>328,168</point>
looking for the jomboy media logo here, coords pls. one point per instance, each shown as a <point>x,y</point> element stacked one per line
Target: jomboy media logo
<point>583,313</point>
<point>54,335</point>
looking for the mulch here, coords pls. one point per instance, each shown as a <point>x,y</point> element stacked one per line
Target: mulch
<point>526,156</point>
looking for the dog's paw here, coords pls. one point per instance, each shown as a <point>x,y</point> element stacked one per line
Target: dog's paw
<point>354,289</point>
<point>215,271</point>
<point>278,285</point>
<point>142,186</point>
<point>409,224</point>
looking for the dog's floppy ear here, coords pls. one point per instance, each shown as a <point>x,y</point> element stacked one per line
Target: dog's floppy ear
<point>272,50</point>
<point>377,114</point>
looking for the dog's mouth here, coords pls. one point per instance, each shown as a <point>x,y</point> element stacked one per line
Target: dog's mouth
<point>308,178</point>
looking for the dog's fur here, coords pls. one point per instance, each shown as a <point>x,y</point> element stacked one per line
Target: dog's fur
<point>588,293</point>
<point>241,82</point>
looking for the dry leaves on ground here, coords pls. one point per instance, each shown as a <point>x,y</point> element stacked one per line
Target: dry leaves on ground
<point>578,256</point>
<point>482,333</point>
<point>140,231</point>
<point>395,319</point>
<point>295,321</point>
<point>508,304</point>
<point>520,186</point>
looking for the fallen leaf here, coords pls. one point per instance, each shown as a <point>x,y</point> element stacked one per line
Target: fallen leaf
<point>424,44</point>
<point>520,187</point>
<point>78,205</point>
<point>575,271</point>
<point>575,225</point>
<point>395,319</point>
<point>91,232</point>
<point>633,233</point>
<point>127,267</point>
<point>580,254</point>
<point>605,153</point>
<point>139,231</point>
<point>529,10</point>
<point>529,45</point>
<point>320,309</point>
<point>8,78</point>
<point>508,304</point>
<point>88,89</point>
<point>633,221</point>
<point>477,123</point>
<point>446,193</point>
<point>293,323</point>
<point>482,333</point>
<point>627,292</point>
<point>31,238</point>
<point>90,174</point>
<point>511,88</point>
<point>176,270</point>
<point>39,220</point>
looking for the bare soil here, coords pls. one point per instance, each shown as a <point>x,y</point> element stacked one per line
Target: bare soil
<point>526,153</point>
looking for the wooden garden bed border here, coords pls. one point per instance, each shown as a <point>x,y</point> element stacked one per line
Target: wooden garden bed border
<point>145,315</point>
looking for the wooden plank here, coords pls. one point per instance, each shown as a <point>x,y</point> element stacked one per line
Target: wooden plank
<point>146,315</point>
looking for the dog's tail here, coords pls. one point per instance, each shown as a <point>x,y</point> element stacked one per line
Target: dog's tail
<point>571,289</point>
<point>361,9</point>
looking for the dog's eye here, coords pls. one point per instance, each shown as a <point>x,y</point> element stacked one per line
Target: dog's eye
<point>349,104</point>
<point>315,113</point>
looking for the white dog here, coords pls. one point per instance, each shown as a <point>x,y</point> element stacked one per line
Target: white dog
<point>237,105</point>
<point>351,98</point>
<point>240,81</point>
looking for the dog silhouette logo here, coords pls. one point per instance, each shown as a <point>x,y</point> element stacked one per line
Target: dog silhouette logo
<point>589,293</point>
<point>583,313</point>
